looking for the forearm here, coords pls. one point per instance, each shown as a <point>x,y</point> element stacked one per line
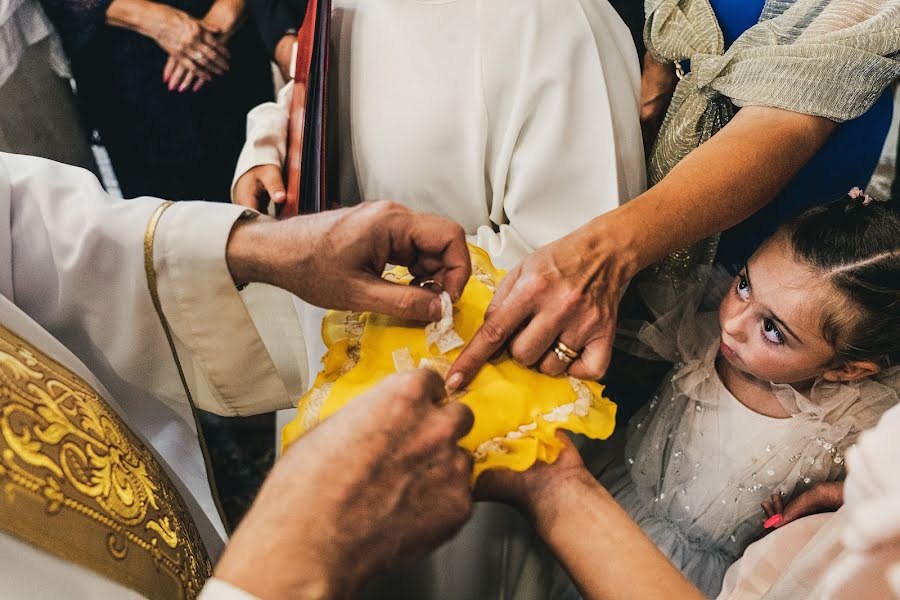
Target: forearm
<point>604,551</point>
<point>721,183</point>
<point>141,16</point>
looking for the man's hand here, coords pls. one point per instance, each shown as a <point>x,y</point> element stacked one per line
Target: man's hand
<point>822,497</point>
<point>335,259</point>
<point>259,186</point>
<point>381,481</point>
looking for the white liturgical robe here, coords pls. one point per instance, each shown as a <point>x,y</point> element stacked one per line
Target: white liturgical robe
<point>74,288</point>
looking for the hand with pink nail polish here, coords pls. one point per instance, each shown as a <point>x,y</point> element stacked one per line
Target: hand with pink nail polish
<point>822,497</point>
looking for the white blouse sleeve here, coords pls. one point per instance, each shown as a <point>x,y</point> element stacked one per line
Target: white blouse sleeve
<point>78,270</point>
<point>266,135</point>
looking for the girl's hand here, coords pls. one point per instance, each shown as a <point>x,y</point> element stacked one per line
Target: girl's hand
<point>822,497</point>
<point>525,489</point>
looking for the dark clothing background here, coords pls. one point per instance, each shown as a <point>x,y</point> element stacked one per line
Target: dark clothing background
<point>178,146</point>
<point>274,17</point>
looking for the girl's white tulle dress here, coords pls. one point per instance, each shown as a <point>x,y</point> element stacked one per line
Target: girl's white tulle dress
<point>698,463</point>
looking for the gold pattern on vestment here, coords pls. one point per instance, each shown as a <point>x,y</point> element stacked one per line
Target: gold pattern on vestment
<point>78,484</point>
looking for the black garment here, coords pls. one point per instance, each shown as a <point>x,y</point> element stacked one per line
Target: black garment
<point>274,17</point>
<point>178,146</point>
<point>632,12</point>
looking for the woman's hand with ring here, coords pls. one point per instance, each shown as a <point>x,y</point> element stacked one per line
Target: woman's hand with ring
<point>194,48</point>
<point>560,303</point>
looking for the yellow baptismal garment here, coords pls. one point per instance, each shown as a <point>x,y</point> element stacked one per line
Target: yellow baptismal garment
<point>517,410</point>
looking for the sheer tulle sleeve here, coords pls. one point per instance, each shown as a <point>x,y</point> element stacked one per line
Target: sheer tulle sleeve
<point>683,322</point>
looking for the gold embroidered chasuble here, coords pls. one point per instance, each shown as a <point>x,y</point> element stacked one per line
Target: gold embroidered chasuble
<point>78,484</point>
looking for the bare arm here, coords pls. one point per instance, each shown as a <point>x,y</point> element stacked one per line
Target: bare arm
<point>569,290</point>
<point>605,552</point>
<point>724,181</point>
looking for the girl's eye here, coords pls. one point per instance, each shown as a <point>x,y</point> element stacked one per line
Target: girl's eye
<point>771,333</point>
<point>743,287</point>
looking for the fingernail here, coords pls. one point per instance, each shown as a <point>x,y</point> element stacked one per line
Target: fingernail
<point>773,521</point>
<point>182,87</point>
<point>278,196</point>
<point>171,85</point>
<point>453,382</point>
<point>165,77</point>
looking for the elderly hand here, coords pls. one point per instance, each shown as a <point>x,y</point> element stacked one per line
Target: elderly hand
<point>566,292</point>
<point>380,481</point>
<point>196,50</point>
<point>335,259</point>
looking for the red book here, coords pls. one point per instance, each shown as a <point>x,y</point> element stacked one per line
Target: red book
<point>304,164</point>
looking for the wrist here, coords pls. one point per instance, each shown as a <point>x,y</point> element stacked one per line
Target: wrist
<point>613,248</point>
<point>557,497</point>
<point>245,251</point>
<point>263,250</point>
<point>223,15</point>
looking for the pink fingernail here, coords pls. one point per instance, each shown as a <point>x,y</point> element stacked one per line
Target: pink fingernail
<point>773,521</point>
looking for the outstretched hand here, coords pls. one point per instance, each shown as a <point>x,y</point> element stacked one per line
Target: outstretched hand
<point>563,296</point>
<point>335,259</point>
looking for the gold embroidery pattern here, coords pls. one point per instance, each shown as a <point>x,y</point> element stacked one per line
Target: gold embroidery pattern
<point>63,447</point>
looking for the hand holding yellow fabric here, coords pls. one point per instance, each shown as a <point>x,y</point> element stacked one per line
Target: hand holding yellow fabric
<point>517,410</point>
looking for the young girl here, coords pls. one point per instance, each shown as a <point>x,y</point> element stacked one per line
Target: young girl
<point>767,394</point>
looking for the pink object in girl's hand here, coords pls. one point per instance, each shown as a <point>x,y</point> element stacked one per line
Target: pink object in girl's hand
<point>773,521</point>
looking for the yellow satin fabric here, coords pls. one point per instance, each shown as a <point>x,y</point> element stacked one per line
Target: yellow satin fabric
<point>516,409</point>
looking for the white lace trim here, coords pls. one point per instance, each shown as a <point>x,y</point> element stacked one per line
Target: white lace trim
<point>580,407</point>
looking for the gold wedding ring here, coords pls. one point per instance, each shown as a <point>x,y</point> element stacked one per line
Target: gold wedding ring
<point>431,282</point>
<point>565,354</point>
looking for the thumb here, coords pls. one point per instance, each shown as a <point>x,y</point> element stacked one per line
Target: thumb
<point>398,300</point>
<point>270,178</point>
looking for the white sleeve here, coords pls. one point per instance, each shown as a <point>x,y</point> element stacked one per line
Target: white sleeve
<point>267,126</point>
<point>561,92</point>
<point>216,589</point>
<point>78,270</point>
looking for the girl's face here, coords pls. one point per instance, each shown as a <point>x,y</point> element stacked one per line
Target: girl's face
<point>772,317</point>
